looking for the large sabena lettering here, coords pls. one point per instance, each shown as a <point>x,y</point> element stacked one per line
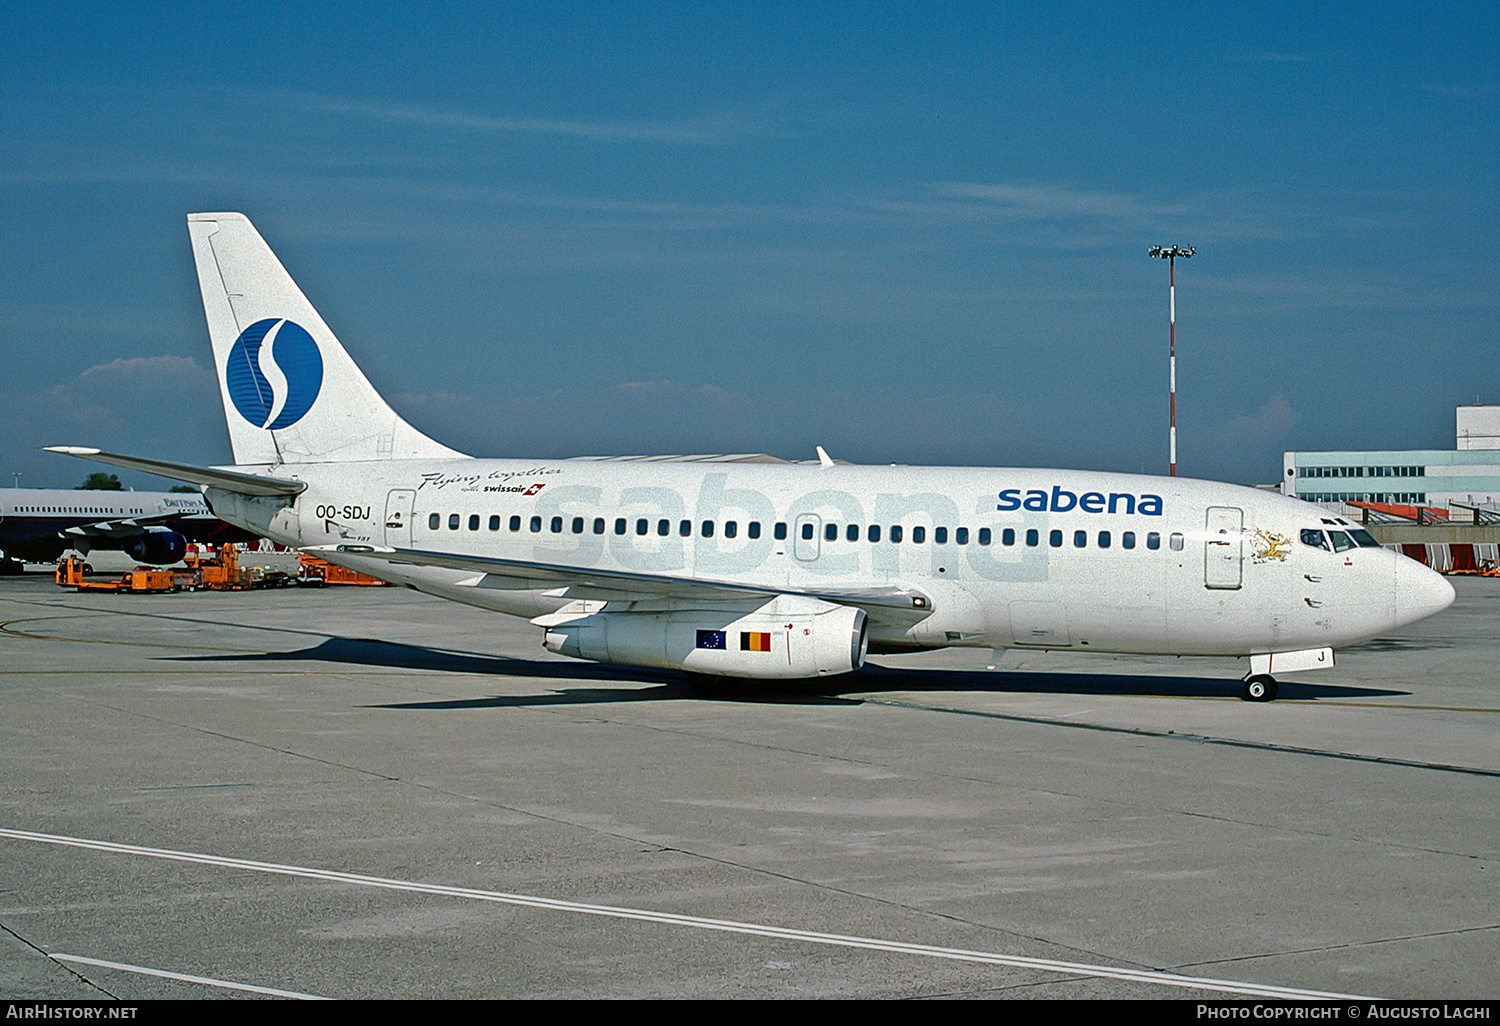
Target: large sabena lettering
<point>1060,500</point>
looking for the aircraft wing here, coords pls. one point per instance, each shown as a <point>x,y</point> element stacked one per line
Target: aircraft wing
<point>125,528</point>
<point>896,605</point>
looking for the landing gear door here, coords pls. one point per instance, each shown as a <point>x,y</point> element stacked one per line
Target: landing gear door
<point>1223,548</point>
<point>398,506</point>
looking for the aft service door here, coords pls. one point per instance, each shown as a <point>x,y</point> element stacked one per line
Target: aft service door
<point>398,506</point>
<point>1223,549</point>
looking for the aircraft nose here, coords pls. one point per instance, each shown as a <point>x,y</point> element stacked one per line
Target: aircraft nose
<point>1420,592</point>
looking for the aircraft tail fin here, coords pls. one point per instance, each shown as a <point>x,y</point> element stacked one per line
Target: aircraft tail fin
<point>291,393</point>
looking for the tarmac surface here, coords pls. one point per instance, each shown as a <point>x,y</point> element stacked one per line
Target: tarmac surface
<point>368,793</point>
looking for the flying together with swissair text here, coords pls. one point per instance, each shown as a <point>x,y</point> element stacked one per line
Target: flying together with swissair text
<point>751,566</point>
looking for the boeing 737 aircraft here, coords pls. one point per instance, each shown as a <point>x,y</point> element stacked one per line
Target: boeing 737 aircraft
<point>750,566</point>
<point>37,524</point>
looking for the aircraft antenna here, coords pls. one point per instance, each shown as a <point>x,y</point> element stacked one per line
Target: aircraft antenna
<point>1170,255</point>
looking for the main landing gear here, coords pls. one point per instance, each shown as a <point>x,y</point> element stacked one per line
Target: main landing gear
<point>1260,688</point>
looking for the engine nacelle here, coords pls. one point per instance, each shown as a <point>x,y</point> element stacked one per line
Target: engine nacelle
<point>812,639</point>
<point>156,548</point>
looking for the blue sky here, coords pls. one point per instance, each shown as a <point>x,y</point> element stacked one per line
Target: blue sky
<point>908,233</point>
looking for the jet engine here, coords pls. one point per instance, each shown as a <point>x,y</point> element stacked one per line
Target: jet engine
<point>812,638</point>
<point>156,548</point>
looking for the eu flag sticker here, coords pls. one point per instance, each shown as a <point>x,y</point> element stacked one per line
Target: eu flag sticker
<point>711,639</point>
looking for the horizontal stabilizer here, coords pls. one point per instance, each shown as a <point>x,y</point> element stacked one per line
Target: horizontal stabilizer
<point>229,480</point>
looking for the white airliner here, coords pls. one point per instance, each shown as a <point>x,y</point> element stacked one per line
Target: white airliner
<point>750,566</point>
<point>38,524</point>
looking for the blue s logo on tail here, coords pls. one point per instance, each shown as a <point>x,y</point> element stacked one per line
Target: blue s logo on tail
<point>274,373</point>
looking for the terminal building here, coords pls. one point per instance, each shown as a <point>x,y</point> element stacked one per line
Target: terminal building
<point>1439,506</point>
<point>1467,475</point>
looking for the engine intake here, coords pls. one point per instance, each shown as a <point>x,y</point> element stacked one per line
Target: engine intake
<point>156,548</point>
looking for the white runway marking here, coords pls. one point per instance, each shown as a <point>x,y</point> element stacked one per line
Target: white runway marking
<point>1081,969</point>
<point>205,980</point>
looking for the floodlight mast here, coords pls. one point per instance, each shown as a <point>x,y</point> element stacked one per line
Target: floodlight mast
<point>1170,255</point>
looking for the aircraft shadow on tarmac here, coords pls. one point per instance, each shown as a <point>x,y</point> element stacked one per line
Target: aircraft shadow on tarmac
<point>672,684</point>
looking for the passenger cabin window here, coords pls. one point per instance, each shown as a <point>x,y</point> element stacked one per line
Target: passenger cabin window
<point>598,525</point>
<point>641,526</point>
<point>556,525</point>
<point>1008,536</point>
<point>940,535</point>
<point>896,534</point>
<point>1153,541</point>
<point>1080,539</point>
<point>780,532</point>
<point>685,528</point>
<point>807,532</point>
<point>515,523</point>
<point>1032,537</point>
<point>872,533</point>
<point>434,522</point>
<point>663,528</point>
<point>536,524</point>
<point>1104,539</point>
<point>453,521</point>
<point>851,532</point>
<point>731,529</point>
<point>831,532</point>
<point>620,525</point>
<point>578,525</point>
<point>1127,540</point>
<point>984,536</point>
<point>708,528</point>
<point>473,521</point>
<point>495,522</point>
<point>754,529</point>
<point>1054,539</point>
<point>1175,541</point>
<point>961,535</point>
<point>918,535</point>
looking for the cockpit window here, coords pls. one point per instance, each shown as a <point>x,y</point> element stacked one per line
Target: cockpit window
<point>1341,541</point>
<point>1314,538</point>
<point>1364,539</point>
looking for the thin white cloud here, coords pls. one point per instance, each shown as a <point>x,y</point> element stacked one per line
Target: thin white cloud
<point>684,132</point>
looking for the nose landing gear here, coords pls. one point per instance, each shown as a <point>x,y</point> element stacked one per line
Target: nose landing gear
<point>1260,688</point>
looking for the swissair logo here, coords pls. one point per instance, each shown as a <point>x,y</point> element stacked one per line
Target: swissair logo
<point>535,488</point>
